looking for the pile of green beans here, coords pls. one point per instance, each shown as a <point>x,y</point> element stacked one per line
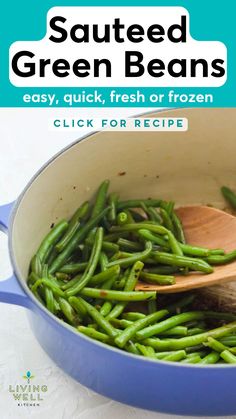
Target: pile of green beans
<point>86,269</point>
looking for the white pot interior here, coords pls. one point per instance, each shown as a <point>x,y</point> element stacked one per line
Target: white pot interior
<point>187,167</point>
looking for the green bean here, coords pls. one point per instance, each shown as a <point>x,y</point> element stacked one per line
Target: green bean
<point>174,245</point>
<point>177,356</point>
<point>51,238</point>
<point>168,324</point>
<point>186,248</point>
<point>80,214</point>
<point>195,359</point>
<point>71,283</point>
<point>228,357</point>
<point>229,341</point>
<point>67,310</point>
<point>138,226</point>
<point>112,200</point>
<point>73,268</point>
<point>195,331</point>
<point>219,315</point>
<point>105,223</point>
<point>201,353</point>
<point>146,350</point>
<point>62,277</point>
<point>190,250</point>
<point>192,349</point>
<point>48,283</point>
<point>49,300</point>
<point>50,255</point>
<point>153,215</point>
<point>157,279</point>
<point>141,349</point>
<point>116,310</point>
<point>94,334</point>
<point>229,195</point>
<point>128,245</point>
<point>178,228</point>
<point>122,218</point>
<point>132,279</point>
<point>132,348</point>
<point>133,276</point>
<point>35,292</point>
<point>120,324</point>
<point>158,344</point>
<point>75,241</point>
<point>162,270</point>
<point>215,345</point>
<point>183,262</point>
<point>99,319</point>
<point>103,260</point>
<point>92,264</point>
<point>32,278</point>
<point>117,295</point>
<point>133,316</point>
<point>78,306</point>
<point>161,355</point>
<point>196,323</point>
<point>147,235</point>
<point>137,203</point>
<point>130,218</point>
<point>36,265</point>
<point>107,305</point>
<point>182,343</point>
<point>132,330</point>
<point>134,258</point>
<point>167,222</point>
<point>211,358</point>
<point>119,284</point>
<point>107,246</point>
<point>217,252</point>
<point>168,206</point>
<point>175,331</point>
<point>221,260</point>
<point>100,199</point>
<point>85,252</point>
<point>100,278</point>
<point>45,270</point>
<point>70,232</point>
<point>112,237</point>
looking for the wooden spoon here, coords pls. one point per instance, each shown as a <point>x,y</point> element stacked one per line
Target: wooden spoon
<point>207,227</point>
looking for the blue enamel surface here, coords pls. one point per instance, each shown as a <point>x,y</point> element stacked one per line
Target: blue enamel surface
<point>5,211</point>
<point>12,293</point>
<point>163,387</point>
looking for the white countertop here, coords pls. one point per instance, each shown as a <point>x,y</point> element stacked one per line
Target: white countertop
<point>26,143</point>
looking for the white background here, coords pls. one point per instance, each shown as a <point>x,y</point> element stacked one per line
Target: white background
<point>25,144</point>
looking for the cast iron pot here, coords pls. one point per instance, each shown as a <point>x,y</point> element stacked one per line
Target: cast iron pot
<point>188,167</point>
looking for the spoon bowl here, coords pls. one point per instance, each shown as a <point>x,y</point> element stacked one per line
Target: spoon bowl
<point>206,227</point>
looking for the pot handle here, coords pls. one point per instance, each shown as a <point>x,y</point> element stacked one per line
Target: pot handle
<point>10,289</point>
<point>5,211</point>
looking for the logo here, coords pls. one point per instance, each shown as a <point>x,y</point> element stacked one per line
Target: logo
<point>28,395</point>
<point>28,376</point>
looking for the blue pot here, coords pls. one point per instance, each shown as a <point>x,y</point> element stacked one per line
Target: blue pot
<point>154,385</point>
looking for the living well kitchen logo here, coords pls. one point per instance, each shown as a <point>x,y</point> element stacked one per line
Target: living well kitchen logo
<point>30,393</point>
